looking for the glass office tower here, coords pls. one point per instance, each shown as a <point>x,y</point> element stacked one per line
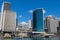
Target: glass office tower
<point>38,20</point>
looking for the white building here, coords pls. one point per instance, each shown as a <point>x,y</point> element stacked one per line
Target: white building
<point>8,18</point>
<point>9,21</point>
<point>52,25</point>
<point>0,23</point>
<point>30,25</point>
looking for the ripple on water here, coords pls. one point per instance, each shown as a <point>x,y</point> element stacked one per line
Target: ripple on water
<point>56,38</point>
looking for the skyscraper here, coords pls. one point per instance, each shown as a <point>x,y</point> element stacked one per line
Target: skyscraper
<point>0,23</point>
<point>51,24</point>
<point>58,28</point>
<point>47,22</point>
<point>30,23</point>
<point>38,20</point>
<point>5,6</point>
<point>8,18</point>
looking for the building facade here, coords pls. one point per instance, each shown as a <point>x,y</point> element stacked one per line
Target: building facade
<point>38,20</point>
<point>16,22</point>
<point>47,22</point>
<point>30,25</point>
<point>9,22</point>
<point>0,23</point>
<point>58,28</point>
<point>8,18</point>
<point>51,24</point>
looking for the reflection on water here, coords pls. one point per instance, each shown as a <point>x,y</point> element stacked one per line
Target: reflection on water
<point>7,39</point>
<point>56,38</point>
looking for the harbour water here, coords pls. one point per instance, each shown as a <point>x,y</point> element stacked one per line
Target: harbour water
<point>55,38</point>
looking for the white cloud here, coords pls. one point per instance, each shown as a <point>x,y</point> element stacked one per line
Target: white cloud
<point>30,11</point>
<point>51,15</point>
<point>23,23</point>
<point>44,11</point>
<point>20,16</point>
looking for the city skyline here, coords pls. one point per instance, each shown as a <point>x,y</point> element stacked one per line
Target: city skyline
<point>24,8</point>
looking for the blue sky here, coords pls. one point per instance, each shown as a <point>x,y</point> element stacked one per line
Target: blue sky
<point>23,8</point>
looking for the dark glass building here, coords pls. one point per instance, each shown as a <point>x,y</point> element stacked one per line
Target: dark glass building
<point>38,20</point>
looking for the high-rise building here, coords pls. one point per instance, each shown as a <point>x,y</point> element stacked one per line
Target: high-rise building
<point>38,20</point>
<point>47,22</point>
<point>5,6</point>
<point>51,24</point>
<point>30,23</point>
<point>0,23</point>
<point>58,28</point>
<point>9,22</point>
<point>48,18</point>
<point>8,18</point>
